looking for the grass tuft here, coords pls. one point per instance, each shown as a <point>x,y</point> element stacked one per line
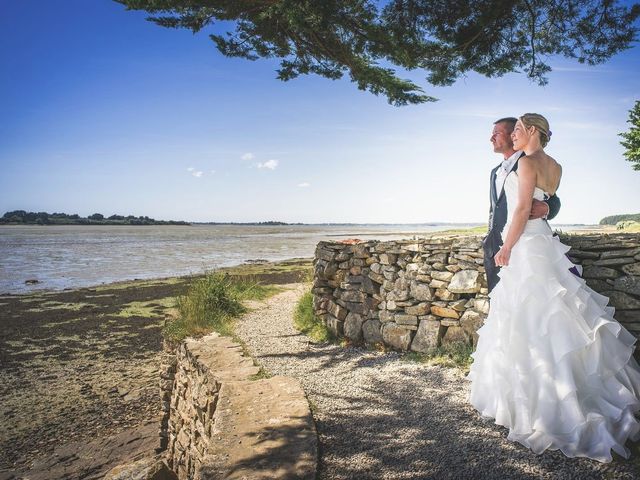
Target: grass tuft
<point>308,323</point>
<point>212,303</point>
<point>452,355</point>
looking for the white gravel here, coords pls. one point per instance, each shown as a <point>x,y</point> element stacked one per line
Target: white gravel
<point>380,417</point>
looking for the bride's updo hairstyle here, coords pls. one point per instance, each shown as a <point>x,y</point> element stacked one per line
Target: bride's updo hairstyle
<point>541,125</point>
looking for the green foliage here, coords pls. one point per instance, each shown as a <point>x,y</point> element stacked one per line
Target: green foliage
<point>445,40</point>
<point>308,323</point>
<point>613,219</point>
<point>456,355</point>
<point>212,303</point>
<point>631,141</point>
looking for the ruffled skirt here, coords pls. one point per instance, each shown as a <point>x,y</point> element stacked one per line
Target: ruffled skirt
<point>552,365</point>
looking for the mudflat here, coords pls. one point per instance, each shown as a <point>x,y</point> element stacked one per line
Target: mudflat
<point>77,366</point>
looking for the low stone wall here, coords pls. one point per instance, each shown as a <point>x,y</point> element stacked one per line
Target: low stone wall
<point>612,267</point>
<point>199,368</point>
<point>420,294</point>
<point>221,423</point>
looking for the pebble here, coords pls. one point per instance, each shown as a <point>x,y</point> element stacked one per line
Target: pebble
<point>380,417</point>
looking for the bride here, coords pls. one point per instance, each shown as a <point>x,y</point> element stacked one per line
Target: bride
<point>552,364</point>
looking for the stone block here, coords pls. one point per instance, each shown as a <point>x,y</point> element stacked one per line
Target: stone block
<point>336,326</point>
<point>398,295</point>
<point>438,283</point>
<point>371,331</point>
<point>600,272</point>
<point>613,262</point>
<point>396,336</point>
<point>437,257</point>
<point>458,305</point>
<point>336,310</point>
<point>632,269</point>
<point>404,319</point>
<point>627,252</point>
<point>442,276</point>
<point>455,334</point>
<point>421,292</point>
<point>449,322</point>
<point>376,277</point>
<point>444,312</point>
<point>628,284</point>
<point>621,300</point>
<point>386,316</point>
<point>390,275</point>
<point>465,281</point>
<point>388,258</point>
<point>470,322</point>
<point>445,294</point>
<point>353,326</point>
<point>428,336</point>
<point>420,309</point>
<point>629,317</point>
<point>326,255</point>
<point>582,254</point>
<point>481,305</point>
<point>353,296</point>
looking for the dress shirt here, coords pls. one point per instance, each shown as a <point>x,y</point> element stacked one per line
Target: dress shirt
<point>503,171</point>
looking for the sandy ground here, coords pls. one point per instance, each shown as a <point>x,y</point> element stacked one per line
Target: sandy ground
<point>79,370</point>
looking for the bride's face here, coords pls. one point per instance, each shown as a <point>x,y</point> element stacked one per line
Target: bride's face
<point>521,136</point>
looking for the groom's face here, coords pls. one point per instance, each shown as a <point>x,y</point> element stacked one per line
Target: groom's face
<point>501,138</point>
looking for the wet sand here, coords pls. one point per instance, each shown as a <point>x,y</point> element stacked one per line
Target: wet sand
<point>82,365</point>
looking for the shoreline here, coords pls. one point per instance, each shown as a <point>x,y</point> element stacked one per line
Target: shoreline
<point>83,364</point>
<point>246,268</point>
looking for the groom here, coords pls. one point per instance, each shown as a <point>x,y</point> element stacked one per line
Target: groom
<point>502,143</point>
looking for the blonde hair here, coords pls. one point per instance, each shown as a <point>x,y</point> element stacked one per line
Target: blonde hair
<point>540,124</point>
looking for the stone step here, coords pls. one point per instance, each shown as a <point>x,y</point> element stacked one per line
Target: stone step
<point>262,430</point>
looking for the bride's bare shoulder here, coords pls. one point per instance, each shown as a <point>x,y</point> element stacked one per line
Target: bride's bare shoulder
<point>555,163</point>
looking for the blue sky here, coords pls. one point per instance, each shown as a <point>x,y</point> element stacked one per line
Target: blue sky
<point>105,112</point>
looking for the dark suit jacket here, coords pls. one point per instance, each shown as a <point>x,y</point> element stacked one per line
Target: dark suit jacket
<point>497,220</point>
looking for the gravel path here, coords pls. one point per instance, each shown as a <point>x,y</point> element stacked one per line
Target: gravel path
<point>384,418</point>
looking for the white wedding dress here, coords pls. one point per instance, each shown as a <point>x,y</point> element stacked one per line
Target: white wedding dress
<point>552,364</point>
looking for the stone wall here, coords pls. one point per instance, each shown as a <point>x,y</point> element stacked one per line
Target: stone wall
<point>220,421</point>
<point>190,384</point>
<point>420,294</point>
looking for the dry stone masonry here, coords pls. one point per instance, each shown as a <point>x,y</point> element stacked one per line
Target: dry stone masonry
<point>420,294</point>
<point>220,422</point>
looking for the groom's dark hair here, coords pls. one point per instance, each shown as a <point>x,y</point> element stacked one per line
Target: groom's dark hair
<point>510,121</point>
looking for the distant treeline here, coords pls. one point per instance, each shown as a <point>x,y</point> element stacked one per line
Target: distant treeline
<point>270,222</point>
<point>20,217</point>
<point>613,219</point>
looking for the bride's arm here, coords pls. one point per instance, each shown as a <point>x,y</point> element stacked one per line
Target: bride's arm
<point>526,185</point>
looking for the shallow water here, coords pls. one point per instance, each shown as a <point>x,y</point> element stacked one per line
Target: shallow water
<point>69,256</point>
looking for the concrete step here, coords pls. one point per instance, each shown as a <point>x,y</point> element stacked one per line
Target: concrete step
<point>262,430</point>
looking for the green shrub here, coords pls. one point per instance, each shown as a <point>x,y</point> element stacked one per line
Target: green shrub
<point>308,323</point>
<point>212,303</point>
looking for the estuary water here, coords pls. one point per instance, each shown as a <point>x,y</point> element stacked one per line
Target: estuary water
<point>71,256</point>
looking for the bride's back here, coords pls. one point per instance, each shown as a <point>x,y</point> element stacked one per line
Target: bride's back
<point>548,172</point>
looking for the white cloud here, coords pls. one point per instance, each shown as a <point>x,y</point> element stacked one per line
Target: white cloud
<point>270,164</point>
<point>196,173</point>
<point>304,184</point>
<point>190,169</point>
<point>248,156</point>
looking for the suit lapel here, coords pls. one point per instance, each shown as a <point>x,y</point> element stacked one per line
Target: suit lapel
<point>514,168</point>
<point>492,187</point>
